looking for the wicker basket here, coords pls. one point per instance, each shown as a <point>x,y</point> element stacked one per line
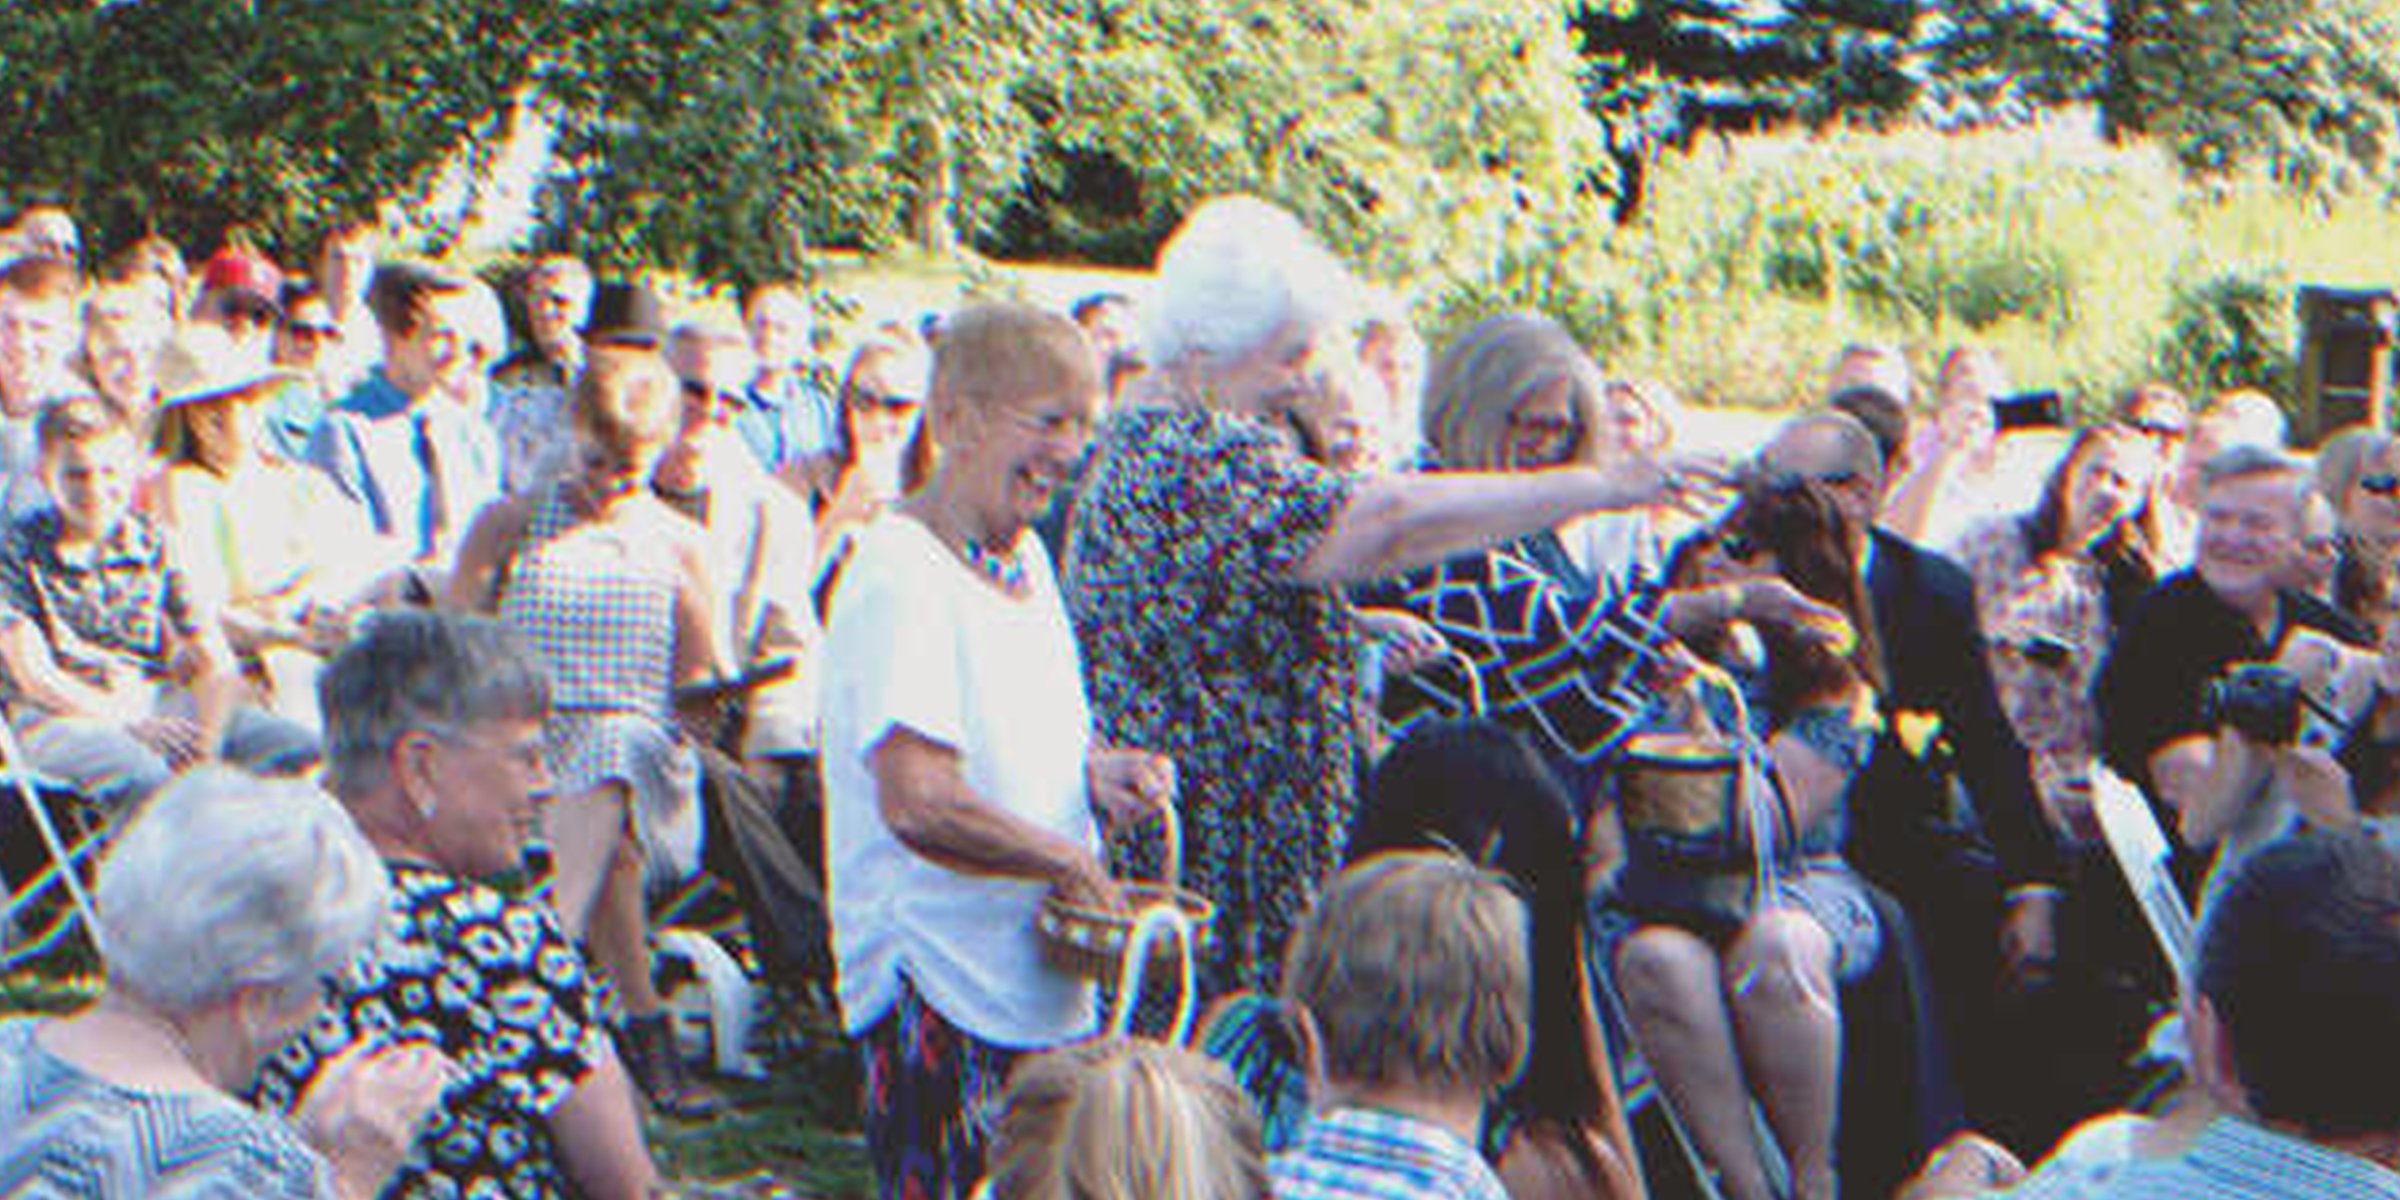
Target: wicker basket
<point>1090,942</point>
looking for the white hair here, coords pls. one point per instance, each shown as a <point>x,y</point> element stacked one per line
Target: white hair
<point>1237,270</point>
<point>225,881</point>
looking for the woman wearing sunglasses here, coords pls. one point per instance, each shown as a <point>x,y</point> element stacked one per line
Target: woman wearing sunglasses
<point>2359,472</point>
<point>1732,929</point>
<point>883,451</point>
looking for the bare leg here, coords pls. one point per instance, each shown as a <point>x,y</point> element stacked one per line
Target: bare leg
<point>1781,987</point>
<point>620,937</point>
<point>584,831</point>
<point>1676,1004</point>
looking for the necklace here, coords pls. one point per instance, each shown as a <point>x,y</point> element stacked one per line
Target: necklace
<point>1006,570</point>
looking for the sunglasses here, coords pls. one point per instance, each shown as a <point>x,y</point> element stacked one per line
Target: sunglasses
<point>889,402</point>
<point>2157,429</point>
<point>2384,485</point>
<point>311,333</point>
<point>1738,547</point>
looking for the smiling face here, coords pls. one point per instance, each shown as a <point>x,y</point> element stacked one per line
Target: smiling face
<point>1267,379</point>
<point>487,785</point>
<point>2249,531</point>
<point>2104,486</point>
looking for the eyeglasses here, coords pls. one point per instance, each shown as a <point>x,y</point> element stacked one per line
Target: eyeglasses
<point>234,311</point>
<point>2157,429</point>
<point>1546,426</point>
<point>2384,485</point>
<point>311,333</point>
<point>888,402</point>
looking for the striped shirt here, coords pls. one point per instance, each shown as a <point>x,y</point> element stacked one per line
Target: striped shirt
<point>2232,1159</point>
<point>1365,1154</point>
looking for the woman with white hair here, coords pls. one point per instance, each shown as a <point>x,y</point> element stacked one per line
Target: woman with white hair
<point>222,907</point>
<point>1207,561</point>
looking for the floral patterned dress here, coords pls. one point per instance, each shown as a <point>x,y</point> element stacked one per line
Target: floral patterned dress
<point>1198,644</point>
<point>2059,597</point>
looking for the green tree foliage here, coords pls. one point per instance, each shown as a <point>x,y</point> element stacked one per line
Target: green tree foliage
<point>2304,89</point>
<point>275,116</point>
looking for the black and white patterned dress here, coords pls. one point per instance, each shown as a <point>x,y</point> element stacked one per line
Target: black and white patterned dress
<point>492,982</point>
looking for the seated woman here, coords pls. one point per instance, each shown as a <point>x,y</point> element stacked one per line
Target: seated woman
<point>2053,585</point>
<point>609,586</point>
<point>268,537</point>
<point>1730,969</point>
<point>224,903</point>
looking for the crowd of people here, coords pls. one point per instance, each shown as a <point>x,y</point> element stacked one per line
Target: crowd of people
<point>1523,755</point>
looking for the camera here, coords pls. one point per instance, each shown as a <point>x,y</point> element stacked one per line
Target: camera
<point>2261,701</point>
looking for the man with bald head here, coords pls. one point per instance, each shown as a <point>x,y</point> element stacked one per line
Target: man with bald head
<point>1909,833</point>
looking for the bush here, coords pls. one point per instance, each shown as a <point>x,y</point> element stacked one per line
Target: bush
<point>2089,268</point>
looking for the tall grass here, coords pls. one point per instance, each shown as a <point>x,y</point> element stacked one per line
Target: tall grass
<point>2088,267</point>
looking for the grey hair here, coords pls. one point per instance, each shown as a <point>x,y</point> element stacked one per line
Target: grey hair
<point>224,881</point>
<point>1415,968</point>
<point>2246,461</point>
<point>1235,271</point>
<point>413,669</point>
<point>2345,458</point>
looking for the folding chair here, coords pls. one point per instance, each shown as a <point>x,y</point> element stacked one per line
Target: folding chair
<point>66,857</point>
<point>2140,849</point>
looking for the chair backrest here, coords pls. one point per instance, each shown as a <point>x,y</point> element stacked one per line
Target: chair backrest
<point>2140,848</point>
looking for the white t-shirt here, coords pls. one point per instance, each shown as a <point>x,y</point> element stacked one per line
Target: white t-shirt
<point>920,640</point>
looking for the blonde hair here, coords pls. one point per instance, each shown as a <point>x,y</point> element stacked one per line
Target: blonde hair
<point>1414,966</point>
<point>1126,1119</point>
<point>627,400</point>
<point>1475,387</point>
<point>999,351</point>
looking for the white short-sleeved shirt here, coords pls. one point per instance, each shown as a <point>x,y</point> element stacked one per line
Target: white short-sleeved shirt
<point>919,640</point>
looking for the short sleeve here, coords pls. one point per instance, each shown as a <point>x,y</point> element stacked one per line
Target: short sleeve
<point>1283,504</point>
<point>897,668</point>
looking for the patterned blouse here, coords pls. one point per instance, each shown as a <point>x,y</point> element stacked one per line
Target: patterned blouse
<point>65,1135</point>
<point>2062,598</point>
<point>492,982</point>
<point>121,602</point>
<point>1197,643</point>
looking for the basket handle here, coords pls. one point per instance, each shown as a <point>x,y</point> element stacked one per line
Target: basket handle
<point>1147,926</point>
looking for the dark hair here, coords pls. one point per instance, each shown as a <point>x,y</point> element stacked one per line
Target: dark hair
<point>76,421</point>
<point>397,294</point>
<point>2127,556</point>
<point>1798,522</point>
<point>2300,957</point>
<point>40,277</point>
<point>1085,307</point>
<point>1478,788</point>
<point>1881,412</point>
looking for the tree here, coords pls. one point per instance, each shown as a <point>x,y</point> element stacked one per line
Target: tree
<point>1665,71</point>
<point>2304,89</point>
<point>272,116</point>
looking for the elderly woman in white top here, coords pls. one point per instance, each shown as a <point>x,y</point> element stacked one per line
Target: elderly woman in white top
<point>222,907</point>
<point>959,768</point>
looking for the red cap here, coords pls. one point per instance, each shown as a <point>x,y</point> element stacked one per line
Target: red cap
<point>244,273</point>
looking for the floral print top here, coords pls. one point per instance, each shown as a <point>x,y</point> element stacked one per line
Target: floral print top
<point>1199,644</point>
<point>2057,597</point>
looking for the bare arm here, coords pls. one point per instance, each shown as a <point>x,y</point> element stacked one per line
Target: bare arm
<point>696,646</point>
<point>216,683</point>
<point>475,583</point>
<point>599,1136</point>
<point>1397,523</point>
<point>926,802</point>
<point>25,656</point>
